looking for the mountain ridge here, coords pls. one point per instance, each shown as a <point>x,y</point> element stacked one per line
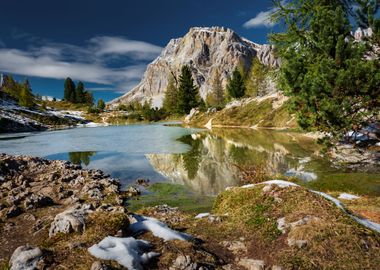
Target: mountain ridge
<point>208,51</point>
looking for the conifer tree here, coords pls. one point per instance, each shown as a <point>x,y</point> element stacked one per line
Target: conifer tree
<point>101,105</point>
<point>170,103</point>
<point>79,93</point>
<point>216,97</point>
<point>236,86</point>
<point>26,96</point>
<point>188,96</point>
<point>332,87</point>
<point>255,78</point>
<point>69,90</point>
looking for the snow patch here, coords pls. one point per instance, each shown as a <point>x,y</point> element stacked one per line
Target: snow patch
<point>202,215</point>
<point>346,196</point>
<point>365,222</point>
<point>128,252</point>
<point>157,228</point>
<point>279,183</point>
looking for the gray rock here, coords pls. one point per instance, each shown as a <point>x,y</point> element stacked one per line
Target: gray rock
<point>251,264</point>
<point>71,220</point>
<point>99,266</point>
<point>37,200</point>
<point>26,258</point>
<point>133,191</point>
<point>298,243</point>
<point>183,262</point>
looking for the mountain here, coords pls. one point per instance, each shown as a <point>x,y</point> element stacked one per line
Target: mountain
<point>208,51</point>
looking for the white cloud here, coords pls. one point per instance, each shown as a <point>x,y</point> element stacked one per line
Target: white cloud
<point>116,45</point>
<point>261,19</point>
<point>88,63</point>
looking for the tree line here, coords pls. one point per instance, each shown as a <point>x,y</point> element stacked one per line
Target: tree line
<point>21,92</point>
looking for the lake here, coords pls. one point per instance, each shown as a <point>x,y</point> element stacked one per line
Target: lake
<point>205,162</point>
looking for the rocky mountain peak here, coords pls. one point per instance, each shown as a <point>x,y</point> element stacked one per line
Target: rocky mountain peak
<point>208,51</point>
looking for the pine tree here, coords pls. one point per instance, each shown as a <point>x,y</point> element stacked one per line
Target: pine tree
<point>88,98</point>
<point>256,78</point>
<point>101,105</point>
<point>170,103</point>
<point>69,90</point>
<point>332,87</point>
<point>188,95</point>
<point>79,93</point>
<point>26,97</point>
<point>216,97</point>
<point>236,87</point>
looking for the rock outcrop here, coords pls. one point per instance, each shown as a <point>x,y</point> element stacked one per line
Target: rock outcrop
<point>209,51</point>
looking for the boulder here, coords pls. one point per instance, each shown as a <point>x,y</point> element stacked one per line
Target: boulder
<point>26,258</point>
<point>37,200</point>
<point>71,220</point>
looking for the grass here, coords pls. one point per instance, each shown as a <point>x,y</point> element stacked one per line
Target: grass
<point>174,196</point>
<point>253,113</point>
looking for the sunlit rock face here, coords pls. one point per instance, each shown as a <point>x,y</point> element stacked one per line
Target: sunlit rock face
<point>210,165</point>
<point>208,51</point>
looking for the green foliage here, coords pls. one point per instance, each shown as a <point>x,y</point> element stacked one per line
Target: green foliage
<point>80,93</point>
<point>235,86</point>
<point>365,12</point>
<point>332,87</point>
<point>26,98</point>
<point>255,78</point>
<point>188,95</point>
<point>77,94</point>
<point>69,90</point>
<point>101,105</point>
<point>170,103</point>
<point>216,97</point>
<point>81,157</point>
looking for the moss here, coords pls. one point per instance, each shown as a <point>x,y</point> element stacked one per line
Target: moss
<point>172,195</point>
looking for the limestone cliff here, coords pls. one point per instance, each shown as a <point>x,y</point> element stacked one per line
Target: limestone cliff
<point>208,51</point>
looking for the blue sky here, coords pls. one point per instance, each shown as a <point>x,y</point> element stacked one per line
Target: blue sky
<point>107,44</point>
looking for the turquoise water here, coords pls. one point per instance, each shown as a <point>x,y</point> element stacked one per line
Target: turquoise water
<point>206,162</point>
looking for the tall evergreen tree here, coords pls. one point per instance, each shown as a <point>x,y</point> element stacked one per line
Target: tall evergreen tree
<point>236,86</point>
<point>188,96</point>
<point>255,78</point>
<point>69,90</point>
<point>26,97</point>
<point>170,103</point>
<point>79,93</point>
<point>332,87</point>
<point>101,105</point>
<point>216,96</point>
<point>89,98</point>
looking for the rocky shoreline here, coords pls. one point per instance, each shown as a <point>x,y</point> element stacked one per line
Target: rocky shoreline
<point>55,215</point>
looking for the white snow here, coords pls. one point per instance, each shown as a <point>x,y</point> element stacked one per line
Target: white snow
<point>346,196</point>
<point>365,222</point>
<point>202,215</point>
<point>304,160</point>
<point>128,252</point>
<point>157,228</point>
<point>280,183</point>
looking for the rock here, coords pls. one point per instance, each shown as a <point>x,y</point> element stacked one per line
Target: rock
<point>183,263</point>
<point>208,51</point>
<point>13,211</point>
<point>26,258</point>
<point>71,220</point>
<point>235,246</point>
<point>37,200</point>
<point>142,182</point>
<point>99,266</point>
<point>299,243</point>
<point>133,191</point>
<point>192,113</point>
<point>251,264</point>
<point>276,267</point>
